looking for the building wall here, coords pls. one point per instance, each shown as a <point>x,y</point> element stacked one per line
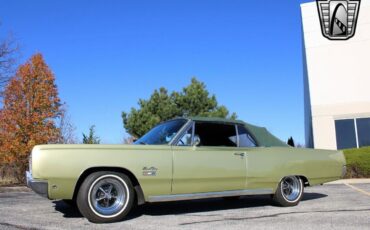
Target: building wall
<point>336,76</point>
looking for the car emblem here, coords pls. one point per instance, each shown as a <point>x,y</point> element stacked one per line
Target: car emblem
<point>338,18</point>
<point>152,171</point>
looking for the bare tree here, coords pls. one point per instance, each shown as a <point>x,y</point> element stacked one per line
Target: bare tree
<point>8,57</point>
<point>129,140</point>
<point>67,128</point>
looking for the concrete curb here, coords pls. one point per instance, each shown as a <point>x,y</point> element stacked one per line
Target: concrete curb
<point>351,181</point>
<point>14,189</point>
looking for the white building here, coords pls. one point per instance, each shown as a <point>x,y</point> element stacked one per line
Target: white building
<point>337,83</point>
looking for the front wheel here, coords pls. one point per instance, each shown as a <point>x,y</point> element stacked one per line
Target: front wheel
<point>105,197</point>
<point>289,191</point>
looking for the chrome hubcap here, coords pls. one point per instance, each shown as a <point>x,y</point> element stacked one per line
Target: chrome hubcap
<point>108,196</point>
<point>291,188</point>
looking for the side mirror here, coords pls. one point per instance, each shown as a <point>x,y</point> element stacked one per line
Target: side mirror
<point>196,140</point>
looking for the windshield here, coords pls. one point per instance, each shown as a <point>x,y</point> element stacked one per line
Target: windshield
<point>162,134</point>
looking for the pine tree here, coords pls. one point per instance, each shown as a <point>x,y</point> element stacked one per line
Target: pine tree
<point>193,100</point>
<point>291,142</point>
<point>91,138</point>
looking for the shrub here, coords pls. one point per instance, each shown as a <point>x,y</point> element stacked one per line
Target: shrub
<point>8,175</point>
<point>358,162</point>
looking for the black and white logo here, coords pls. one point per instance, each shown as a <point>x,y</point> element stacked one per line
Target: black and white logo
<point>338,18</point>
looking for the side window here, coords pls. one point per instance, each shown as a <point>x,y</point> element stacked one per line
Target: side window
<point>186,139</point>
<point>245,139</point>
<point>216,134</point>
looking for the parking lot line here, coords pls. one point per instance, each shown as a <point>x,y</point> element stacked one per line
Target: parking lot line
<point>358,189</point>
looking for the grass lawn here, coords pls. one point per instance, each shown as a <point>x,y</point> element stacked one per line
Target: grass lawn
<point>358,162</point>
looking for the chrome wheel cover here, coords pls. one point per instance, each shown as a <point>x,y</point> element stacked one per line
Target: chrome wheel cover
<point>108,196</point>
<point>291,188</point>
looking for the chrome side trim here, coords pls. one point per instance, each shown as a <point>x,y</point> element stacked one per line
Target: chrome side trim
<point>195,196</point>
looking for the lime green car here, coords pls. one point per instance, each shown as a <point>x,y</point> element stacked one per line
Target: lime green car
<point>180,159</point>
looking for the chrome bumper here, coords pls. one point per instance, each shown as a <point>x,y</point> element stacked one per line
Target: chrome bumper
<point>38,186</point>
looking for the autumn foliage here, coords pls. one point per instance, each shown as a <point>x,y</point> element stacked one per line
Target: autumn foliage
<point>31,107</point>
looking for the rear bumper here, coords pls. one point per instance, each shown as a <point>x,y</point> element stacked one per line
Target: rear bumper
<point>38,186</point>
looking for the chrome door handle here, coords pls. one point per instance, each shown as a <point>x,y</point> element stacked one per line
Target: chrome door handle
<point>239,154</point>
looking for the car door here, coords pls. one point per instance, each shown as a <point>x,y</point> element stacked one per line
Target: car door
<point>216,164</point>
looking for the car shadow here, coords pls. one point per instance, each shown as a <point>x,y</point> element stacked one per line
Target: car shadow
<point>312,196</point>
<point>188,207</point>
<point>199,206</point>
<point>69,211</point>
<point>208,205</point>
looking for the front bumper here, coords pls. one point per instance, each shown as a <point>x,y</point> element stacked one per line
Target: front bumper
<point>38,186</point>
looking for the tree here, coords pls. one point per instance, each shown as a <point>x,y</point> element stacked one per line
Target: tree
<point>291,142</point>
<point>128,140</point>
<point>193,100</point>
<point>91,138</point>
<point>158,108</point>
<point>8,53</point>
<point>66,127</point>
<point>28,118</point>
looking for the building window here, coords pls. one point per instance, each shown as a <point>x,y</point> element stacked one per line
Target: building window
<point>352,133</point>
<point>363,131</point>
<point>346,134</point>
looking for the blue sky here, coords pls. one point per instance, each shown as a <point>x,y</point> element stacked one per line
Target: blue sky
<point>108,54</point>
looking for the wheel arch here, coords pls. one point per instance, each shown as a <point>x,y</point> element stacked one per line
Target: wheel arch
<point>135,182</point>
<point>304,179</point>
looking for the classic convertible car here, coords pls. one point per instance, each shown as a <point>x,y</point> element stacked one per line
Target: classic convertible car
<point>180,159</point>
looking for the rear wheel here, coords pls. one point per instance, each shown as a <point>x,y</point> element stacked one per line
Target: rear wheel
<point>105,197</point>
<point>289,191</point>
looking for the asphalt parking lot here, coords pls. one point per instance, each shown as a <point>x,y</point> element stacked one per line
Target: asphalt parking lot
<point>323,207</point>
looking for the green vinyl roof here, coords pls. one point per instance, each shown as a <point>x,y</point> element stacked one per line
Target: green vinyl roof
<point>263,137</point>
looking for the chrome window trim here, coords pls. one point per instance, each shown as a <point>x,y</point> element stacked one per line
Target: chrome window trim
<point>193,133</point>
<point>190,126</point>
<point>237,136</point>
<point>194,196</point>
<point>187,126</point>
<point>180,133</point>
